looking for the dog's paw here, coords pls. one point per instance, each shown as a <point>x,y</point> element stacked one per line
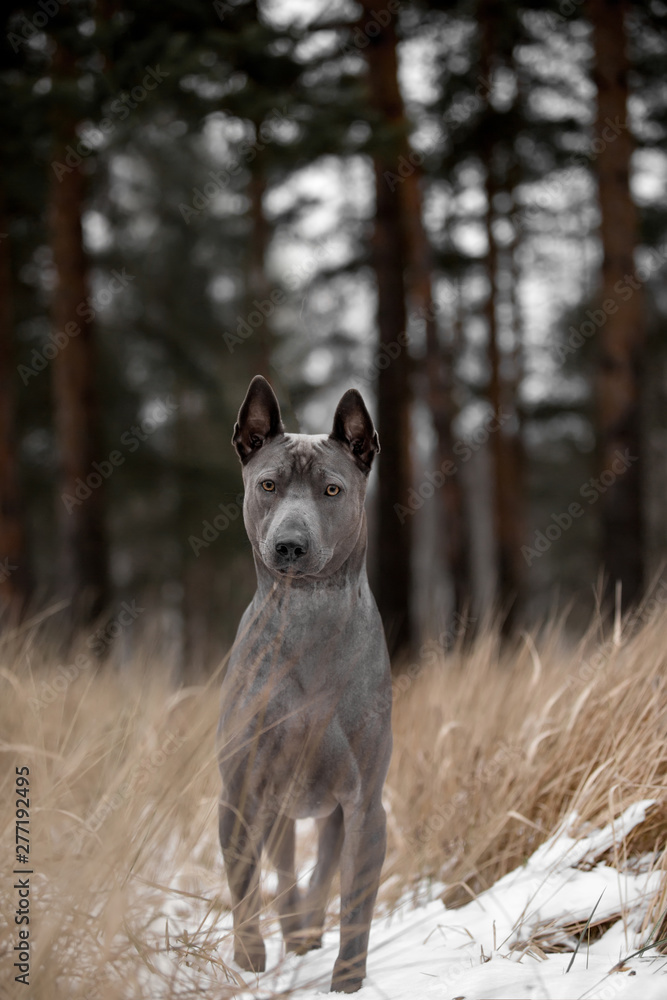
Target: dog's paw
<point>346,984</point>
<point>303,942</point>
<point>347,976</point>
<point>250,954</point>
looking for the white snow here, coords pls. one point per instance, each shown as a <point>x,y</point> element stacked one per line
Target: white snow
<point>490,948</point>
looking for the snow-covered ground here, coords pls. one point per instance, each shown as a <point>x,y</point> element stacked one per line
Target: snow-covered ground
<point>496,946</point>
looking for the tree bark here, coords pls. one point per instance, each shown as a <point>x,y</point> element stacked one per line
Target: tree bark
<point>83,573</point>
<point>507,499</point>
<point>393,585</point>
<point>14,571</point>
<point>621,338</point>
<point>258,287</point>
<point>453,521</point>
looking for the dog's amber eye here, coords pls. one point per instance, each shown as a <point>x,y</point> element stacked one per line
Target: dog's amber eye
<point>268,485</point>
<point>332,490</point>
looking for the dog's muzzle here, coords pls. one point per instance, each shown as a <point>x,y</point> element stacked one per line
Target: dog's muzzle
<point>289,550</point>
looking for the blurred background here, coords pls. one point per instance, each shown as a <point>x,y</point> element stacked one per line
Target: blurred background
<point>458,208</point>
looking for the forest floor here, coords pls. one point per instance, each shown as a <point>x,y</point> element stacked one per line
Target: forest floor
<point>526,794</point>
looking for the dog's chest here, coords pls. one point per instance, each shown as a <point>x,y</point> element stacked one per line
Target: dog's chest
<point>305,754</point>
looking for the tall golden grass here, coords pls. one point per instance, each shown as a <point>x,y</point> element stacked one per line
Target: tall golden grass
<point>493,748</point>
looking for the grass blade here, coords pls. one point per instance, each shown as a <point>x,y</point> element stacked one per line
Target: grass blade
<point>583,933</point>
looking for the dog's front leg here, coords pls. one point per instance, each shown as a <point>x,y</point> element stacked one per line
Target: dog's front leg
<point>361,863</point>
<point>241,839</point>
<point>280,845</point>
<point>330,842</point>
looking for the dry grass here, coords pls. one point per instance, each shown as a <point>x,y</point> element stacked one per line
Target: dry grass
<point>492,750</point>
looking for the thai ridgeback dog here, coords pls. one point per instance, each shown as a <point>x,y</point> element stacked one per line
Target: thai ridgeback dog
<point>305,729</point>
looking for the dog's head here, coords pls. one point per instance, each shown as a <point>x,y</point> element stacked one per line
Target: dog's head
<point>304,493</point>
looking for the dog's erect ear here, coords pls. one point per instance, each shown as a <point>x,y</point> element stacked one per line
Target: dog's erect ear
<point>259,419</point>
<point>353,427</point>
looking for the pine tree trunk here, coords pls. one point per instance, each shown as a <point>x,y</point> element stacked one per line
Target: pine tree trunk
<point>503,449</point>
<point>507,541</point>
<point>393,585</point>
<point>453,522</point>
<point>14,571</point>
<point>621,338</point>
<point>258,286</point>
<point>83,570</point>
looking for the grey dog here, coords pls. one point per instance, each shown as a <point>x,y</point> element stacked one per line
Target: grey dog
<point>305,728</point>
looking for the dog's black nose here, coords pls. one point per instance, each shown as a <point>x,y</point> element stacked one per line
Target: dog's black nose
<point>291,549</point>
